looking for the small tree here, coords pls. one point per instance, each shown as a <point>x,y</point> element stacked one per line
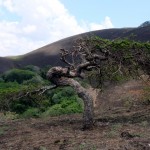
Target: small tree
<point>82,58</point>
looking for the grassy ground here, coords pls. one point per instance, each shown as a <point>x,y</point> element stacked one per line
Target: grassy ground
<point>65,133</point>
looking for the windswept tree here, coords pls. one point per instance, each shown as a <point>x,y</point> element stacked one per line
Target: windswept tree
<point>79,60</point>
<point>92,57</point>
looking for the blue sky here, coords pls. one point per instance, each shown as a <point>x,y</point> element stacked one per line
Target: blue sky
<point>26,25</point>
<point>123,13</point>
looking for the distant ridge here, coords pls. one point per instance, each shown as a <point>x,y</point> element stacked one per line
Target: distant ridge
<point>48,55</point>
<point>145,24</point>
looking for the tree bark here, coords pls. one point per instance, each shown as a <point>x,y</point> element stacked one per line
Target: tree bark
<point>88,113</point>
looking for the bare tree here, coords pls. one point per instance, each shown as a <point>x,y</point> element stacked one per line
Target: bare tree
<point>82,58</point>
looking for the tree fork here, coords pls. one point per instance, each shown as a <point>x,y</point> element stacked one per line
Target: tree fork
<point>63,76</point>
<point>54,76</point>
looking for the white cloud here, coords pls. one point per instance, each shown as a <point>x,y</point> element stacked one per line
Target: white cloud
<point>104,25</point>
<point>29,29</point>
<point>40,22</point>
<point>8,4</point>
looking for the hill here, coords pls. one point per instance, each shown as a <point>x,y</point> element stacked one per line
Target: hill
<point>6,64</point>
<point>48,55</point>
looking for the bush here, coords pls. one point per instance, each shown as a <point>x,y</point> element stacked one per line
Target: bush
<point>64,101</point>
<point>21,105</point>
<point>62,93</point>
<point>65,107</point>
<point>31,112</point>
<point>18,75</point>
<point>1,79</point>
<point>55,110</point>
<point>7,92</point>
<point>44,71</point>
<point>32,68</point>
<point>71,107</point>
<point>35,80</point>
<point>9,101</point>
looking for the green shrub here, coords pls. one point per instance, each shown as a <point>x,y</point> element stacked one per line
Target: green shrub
<point>32,68</point>
<point>62,93</point>
<point>31,113</point>
<point>71,107</point>
<point>10,91</point>
<point>18,108</point>
<point>56,98</point>
<point>61,101</point>
<point>22,104</point>
<point>18,75</point>
<point>65,107</point>
<point>44,71</point>
<point>54,110</point>
<point>35,80</point>
<point>44,104</point>
<point>1,79</point>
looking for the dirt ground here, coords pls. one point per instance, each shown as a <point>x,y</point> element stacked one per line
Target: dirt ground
<point>122,122</point>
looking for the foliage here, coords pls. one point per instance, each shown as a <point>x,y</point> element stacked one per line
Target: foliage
<point>33,68</point>
<point>31,112</point>
<point>125,59</point>
<point>65,107</point>
<point>9,92</point>
<point>18,75</point>
<point>1,79</point>
<point>44,71</point>
<point>62,93</point>
<point>35,80</point>
<point>34,105</point>
<point>64,101</point>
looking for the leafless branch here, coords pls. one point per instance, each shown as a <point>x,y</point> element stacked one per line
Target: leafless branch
<point>39,91</point>
<point>118,70</point>
<point>64,53</point>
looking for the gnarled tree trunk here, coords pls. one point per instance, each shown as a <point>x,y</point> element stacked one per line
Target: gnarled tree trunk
<point>60,76</point>
<point>88,114</point>
<point>54,75</point>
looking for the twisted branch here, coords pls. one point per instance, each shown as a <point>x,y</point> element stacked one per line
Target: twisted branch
<point>39,91</point>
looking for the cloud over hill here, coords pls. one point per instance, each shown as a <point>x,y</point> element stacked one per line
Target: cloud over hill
<point>28,25</point>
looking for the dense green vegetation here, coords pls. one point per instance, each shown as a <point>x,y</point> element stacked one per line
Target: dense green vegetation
<point>18,75</point>
<point>15,83</point>
<point>126,60</point>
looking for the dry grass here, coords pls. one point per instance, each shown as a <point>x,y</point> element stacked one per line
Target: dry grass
<point>65,133</point>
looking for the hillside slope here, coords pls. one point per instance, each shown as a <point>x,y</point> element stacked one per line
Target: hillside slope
<point>6,64</point>
<point>48,55</point>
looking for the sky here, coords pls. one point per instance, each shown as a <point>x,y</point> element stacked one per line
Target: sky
<point>26,25</point>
